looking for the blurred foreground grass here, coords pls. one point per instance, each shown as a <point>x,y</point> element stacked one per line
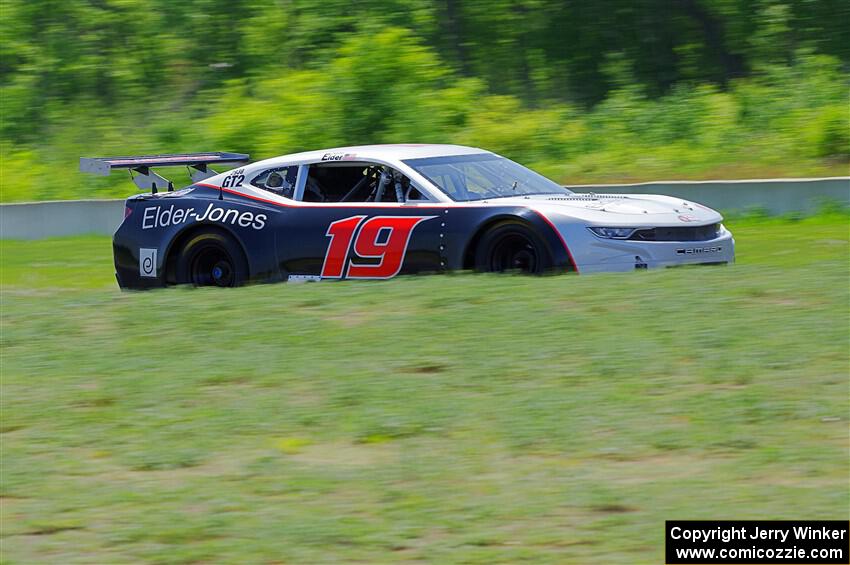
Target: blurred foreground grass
<point>474,419</point>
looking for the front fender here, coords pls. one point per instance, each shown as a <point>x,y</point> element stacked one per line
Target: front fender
<point>466,226</point>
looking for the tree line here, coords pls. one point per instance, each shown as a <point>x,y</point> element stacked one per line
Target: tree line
<point>549,80</point>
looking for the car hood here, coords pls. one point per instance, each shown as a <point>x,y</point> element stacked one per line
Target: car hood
<point>620,209</point>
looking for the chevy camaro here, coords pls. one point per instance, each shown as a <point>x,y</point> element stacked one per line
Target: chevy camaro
<point>374,212</point>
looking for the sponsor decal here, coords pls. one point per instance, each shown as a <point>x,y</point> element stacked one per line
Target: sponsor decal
<point>164,216</point>
<point>303,278</point>
<point>339,157</point>
<point>234,178</point>
<point>176,193</point>
<point>384,238</point>
<point>687,218</point>
<point>147,262</point>
<point>161,159</point>
<point>699,250</point>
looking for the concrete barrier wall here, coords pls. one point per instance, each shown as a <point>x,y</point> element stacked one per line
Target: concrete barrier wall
<point>37,220</point>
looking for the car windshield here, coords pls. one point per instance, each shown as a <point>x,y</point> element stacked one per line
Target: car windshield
<point>483,175</point>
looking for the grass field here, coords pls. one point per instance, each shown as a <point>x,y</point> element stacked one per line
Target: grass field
<point>448,419</point>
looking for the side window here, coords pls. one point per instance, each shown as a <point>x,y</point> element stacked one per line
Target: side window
<point>463,182</point>
<point>358,182</point>
<point>280,180</point>
<point>477,185</point>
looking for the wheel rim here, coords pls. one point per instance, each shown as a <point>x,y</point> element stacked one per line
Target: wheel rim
<point>514,252</point>
<point>212,266</point>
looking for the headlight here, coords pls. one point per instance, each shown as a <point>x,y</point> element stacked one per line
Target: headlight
<point>613,233</point>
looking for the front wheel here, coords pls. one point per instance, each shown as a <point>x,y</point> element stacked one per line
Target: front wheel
<point>211,258</point>
<point>512,247</point>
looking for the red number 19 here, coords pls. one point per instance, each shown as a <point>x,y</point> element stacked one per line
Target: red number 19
<point>367,244</point>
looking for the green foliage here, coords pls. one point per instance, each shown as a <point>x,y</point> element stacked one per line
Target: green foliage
<point>830,133</point>
<point>560,86</point>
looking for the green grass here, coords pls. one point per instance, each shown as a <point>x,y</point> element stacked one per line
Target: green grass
<point>453,419</point>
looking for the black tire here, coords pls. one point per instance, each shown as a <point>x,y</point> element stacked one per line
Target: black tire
<point>512,247</point>
<point>211,258</point>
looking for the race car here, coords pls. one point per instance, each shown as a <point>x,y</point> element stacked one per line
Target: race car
<point>377,211</point>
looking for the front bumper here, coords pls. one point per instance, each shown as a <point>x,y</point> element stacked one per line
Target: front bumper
<point>593,254</point>
<point>616,255</point>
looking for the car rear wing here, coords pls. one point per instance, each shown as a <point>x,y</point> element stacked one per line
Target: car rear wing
<point>197,163</point>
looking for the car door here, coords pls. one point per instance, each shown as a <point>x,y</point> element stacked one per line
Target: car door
<point>345,225</point>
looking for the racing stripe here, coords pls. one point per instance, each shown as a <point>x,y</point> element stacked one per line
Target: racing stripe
<point>296,204</point>
<point>561,237</point>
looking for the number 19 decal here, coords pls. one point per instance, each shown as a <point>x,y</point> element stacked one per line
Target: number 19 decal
<point>383,237</point>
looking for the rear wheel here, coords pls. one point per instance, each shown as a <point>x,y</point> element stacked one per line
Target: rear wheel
<point>512,247</point>
<point>211,258</point>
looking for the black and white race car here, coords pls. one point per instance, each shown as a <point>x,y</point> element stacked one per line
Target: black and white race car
<point>373,212</point>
